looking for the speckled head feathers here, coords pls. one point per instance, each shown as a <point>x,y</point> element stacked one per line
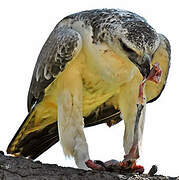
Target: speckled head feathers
<point>109,24</point>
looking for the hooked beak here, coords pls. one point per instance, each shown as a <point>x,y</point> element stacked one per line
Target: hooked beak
<point>144,66</point>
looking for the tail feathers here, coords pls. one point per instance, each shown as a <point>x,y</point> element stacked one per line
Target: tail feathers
<point>30,140</point>
<point>35,143</point>
<point>13,146</point>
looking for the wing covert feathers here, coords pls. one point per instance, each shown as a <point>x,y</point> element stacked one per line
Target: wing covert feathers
<point>63,45</point>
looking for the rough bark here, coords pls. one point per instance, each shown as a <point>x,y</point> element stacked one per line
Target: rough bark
<point>20,168</point>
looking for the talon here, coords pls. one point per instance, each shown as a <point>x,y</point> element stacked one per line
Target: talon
<point>95,165</point>
<point>130,166</point>
<point>125,164</point>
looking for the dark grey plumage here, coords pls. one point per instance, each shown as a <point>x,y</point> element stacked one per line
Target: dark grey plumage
<point>108,23</point>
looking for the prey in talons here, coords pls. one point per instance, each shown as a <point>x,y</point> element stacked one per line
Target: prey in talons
<point>115,166</point>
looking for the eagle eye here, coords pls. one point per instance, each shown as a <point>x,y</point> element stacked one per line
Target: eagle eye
<point>132,55</point>
<point>125,47</point>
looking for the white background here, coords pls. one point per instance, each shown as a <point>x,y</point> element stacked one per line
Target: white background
<point>24,27</point>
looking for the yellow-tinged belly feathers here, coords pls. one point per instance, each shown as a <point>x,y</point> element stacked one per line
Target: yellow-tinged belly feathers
<point>98,85</point>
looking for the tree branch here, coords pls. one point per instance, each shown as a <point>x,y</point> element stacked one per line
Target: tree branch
<point>20,168</point>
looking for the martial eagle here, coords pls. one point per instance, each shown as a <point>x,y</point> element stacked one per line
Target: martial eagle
<point>97,66</point>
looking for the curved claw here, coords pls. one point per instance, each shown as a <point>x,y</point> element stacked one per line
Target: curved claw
<point>131,167</point>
